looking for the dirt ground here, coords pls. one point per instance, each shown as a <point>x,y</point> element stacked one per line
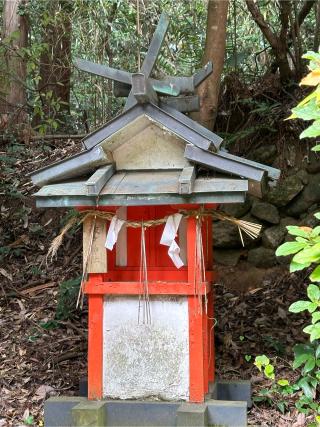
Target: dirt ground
<point>41,356</point>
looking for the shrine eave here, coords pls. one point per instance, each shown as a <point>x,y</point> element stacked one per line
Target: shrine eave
<point>142,188</point>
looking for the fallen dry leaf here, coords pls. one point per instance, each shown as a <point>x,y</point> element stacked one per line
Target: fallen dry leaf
<point>42,392</point>
<point>6,274</point>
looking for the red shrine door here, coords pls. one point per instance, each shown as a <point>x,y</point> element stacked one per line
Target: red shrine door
<point>123,278</point>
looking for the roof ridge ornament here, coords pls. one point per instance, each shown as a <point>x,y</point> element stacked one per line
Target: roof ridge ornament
<point>125,83</point>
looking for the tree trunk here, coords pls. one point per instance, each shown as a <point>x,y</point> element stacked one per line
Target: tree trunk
<point>15,32</point>
<point>316,41</point>
<point>55,61</point>
<point>214,51</point>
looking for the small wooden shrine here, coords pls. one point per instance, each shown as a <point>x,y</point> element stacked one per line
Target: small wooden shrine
<point>147,184</point>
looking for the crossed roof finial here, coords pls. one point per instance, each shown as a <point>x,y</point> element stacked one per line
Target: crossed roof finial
<point>141,88</point>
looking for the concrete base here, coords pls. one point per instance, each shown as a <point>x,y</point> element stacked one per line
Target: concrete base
<point>226,405</point>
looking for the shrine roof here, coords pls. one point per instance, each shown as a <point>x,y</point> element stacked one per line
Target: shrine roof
<point>157,144</point>
<point>151,153</point>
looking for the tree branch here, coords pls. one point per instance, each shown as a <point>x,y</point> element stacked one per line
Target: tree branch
<point>306,7</point>
<point>264,27</point>
<point>285,10</point>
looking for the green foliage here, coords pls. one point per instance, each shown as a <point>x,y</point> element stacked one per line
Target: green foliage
<point>67,299</point>
<point>309,108</point>
<point>276,394</point>
<point>305,248</point>
<point>306,253</point>
<point>263,362</point>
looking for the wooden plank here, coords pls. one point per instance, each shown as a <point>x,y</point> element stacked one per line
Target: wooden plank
<point>154,288</point>
<point>122,79</point>
<point>74,166</point>
<point>182,231</point>
<point>103,71</point>
<point>273,173</point>
<point>121,245</point>
<point>97,181</point>
<point>142,90</point>
<point>187,85</point>
<point>97,262</point>
<point>222,164</point>
<point>220,185</point>
<point>184,104</point>
<point>145,183</point>
<point>202,74</point>
<point>134,183</point>
<point>216,140</point>
<point>152,54</point>
<point>139,200</point>
<point>186,180</point>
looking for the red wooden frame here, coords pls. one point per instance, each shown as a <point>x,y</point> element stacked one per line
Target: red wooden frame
<point>164,279</point>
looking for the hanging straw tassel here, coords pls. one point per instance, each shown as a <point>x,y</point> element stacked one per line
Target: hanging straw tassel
<point>87,258</point>
<point>146,311</point>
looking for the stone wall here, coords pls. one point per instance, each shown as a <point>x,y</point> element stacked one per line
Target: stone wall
<point>293,201</point>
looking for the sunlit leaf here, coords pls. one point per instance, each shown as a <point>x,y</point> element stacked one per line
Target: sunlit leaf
<point>290,248</point>
<point>315,275</point>
<point>313,292</point>
<point>312,131</point>
<point>299,306</point>
<point>311,79</point>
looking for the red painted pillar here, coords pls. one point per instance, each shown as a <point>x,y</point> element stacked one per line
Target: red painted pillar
<point>95,343</point>
<point>196,387</point>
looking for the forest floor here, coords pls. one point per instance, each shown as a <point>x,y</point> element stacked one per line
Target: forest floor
<point>42,356</point>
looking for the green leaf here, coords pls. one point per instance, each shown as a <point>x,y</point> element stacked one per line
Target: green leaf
<point>318,352</point>
<point>308,329</point>
<point>312,131</point>
<point>29,420</point>
<point>294,230</point>
<point>281,406</point>
<point>312,56</point>
<point>315,333</point>
<point>294,266</point>
<point>315,317</point>
<point>299,306</point>
<point>248,357</point>
<point>313,306</point>
<point>269,371</point>
<point>313,292</point>
<point>316,231</point>
<point>283,382</point>
<point>290,248</point>
<point>261,361</point>
<point>300,360</point>
<point>315,275</point>
<point>317,215</point>
<point>307,111</point>
<point>310,254</point>
<point>316,148</point>
<point>307,389</point>
<point>311,363</point>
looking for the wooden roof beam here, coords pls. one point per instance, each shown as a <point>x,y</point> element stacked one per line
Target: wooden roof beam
<point>209,160</point>
<point>186,179</point>
<point>72,167</point>
<point>152,54</point>
<point>98,180</point>
<point>142,89</point>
